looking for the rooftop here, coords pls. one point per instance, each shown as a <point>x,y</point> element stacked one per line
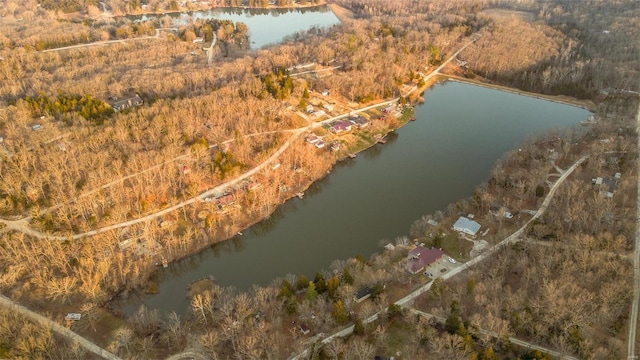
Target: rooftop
<point>466,226</point>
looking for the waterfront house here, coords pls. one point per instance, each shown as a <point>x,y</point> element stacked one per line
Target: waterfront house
<point>225,200</point>
<point>420,257</point>
<point>340,126</point>
<point>360,122</point>
<point>466,226</point>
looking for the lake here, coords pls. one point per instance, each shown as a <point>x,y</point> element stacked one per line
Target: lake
<point>460,131</point>
<point>266,26</point>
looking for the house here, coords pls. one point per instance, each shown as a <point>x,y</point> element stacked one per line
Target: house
<point>606,185</point>
<point>225,200</point>
<point>360,122</point>
<point>388,109</point>
<point>420,257</point>
<point>466,226</point>
<point>73,316</point>
<point>319,113</point>
<point>326,92</point>
<point>309,109</point>
<point>363,294</point>
<point>312,139</point>
<point>320,144</point>
<point>340,126</point>
<point>328,107</point>
<point>127,103</point>
<point>304,329</point>
<point>198,40</point>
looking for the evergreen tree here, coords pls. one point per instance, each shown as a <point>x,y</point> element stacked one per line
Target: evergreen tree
<point>339,313</point>
<point>311,293</point>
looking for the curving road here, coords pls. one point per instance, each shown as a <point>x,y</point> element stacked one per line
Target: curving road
<point>404,302</point>
<point>23,226</point>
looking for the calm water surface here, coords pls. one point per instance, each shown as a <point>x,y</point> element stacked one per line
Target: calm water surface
<point>266,26</point>
<point>460,132</point>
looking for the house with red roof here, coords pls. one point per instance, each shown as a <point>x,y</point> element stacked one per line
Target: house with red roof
<point>420,257</point>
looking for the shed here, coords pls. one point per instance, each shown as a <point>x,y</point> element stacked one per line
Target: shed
<point>466,226</point>
<point>363,294</point>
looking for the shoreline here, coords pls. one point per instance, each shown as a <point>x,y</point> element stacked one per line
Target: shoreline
<point>256,220</point>
<point>561,99</point>
<point>233,8</point>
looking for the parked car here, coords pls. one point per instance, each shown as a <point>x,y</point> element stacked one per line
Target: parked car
<point>452,260</point>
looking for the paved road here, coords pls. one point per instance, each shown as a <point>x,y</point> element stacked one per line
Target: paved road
<point>509,240</point>
<point>106,42</point>
<point>404,302</point>
<point>633,317</point>
<point>513,340</point>
<point>61,330</point>
<point>23,226</point>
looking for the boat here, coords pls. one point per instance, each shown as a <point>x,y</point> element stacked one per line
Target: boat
<point>300,195</point>
<point>382,140</point>
<point>413,118</point>
<point>351,155</point>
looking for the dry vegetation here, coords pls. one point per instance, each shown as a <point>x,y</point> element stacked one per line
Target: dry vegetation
<point>569,287</point>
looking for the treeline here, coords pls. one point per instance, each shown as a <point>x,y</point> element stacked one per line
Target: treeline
<point>585,55</point>
<point>67,6</point>
<point>91,109</point>
<point>226,31</point>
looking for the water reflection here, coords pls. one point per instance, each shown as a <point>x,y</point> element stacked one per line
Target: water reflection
<point>461,130</point>
<point>266,26</point>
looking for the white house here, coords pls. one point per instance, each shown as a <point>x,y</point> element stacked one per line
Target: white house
<point>466,226</point>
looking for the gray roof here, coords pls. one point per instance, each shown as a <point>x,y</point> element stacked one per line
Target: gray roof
<point>466,226</point>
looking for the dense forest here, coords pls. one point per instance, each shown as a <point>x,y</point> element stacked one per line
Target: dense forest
<point>72,165</point>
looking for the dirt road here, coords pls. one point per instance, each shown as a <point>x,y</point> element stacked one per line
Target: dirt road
<point>61,330</point>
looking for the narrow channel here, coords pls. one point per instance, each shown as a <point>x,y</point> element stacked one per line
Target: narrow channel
<point>460,132</point>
